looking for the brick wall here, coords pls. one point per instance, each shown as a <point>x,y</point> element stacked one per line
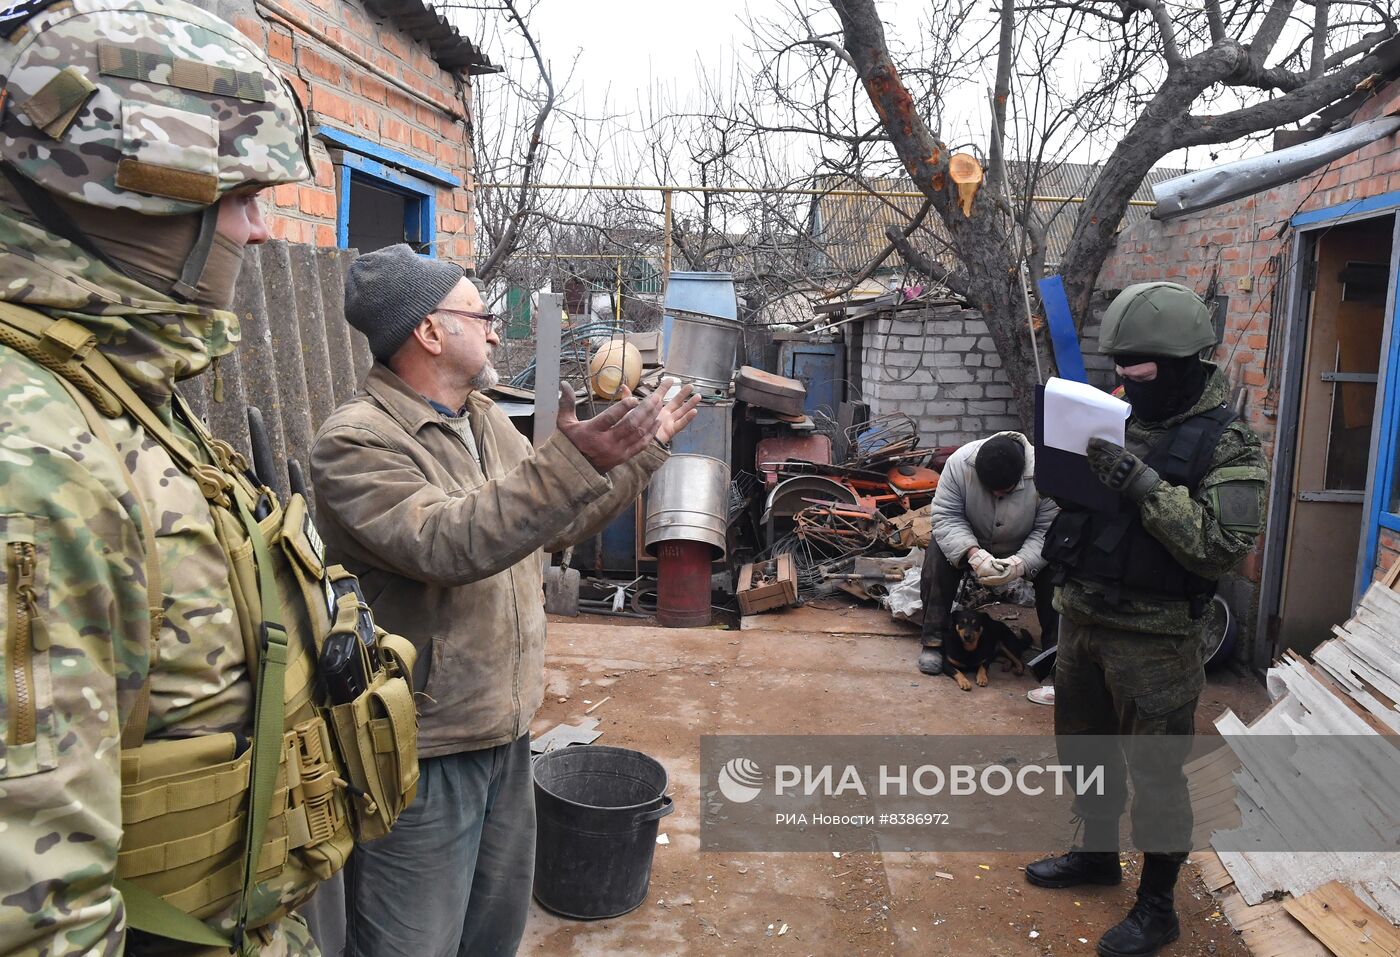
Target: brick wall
<point>1238,243</point>
<point>340,93</point>
<point>1245,245</point>
<point>939,366</point>
<point>1387,552</point>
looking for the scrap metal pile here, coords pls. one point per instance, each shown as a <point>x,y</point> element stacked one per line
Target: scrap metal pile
<point>847,525</point>
<point>782,488</point>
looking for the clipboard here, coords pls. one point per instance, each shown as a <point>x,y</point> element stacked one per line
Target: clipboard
<point>1066,476</point>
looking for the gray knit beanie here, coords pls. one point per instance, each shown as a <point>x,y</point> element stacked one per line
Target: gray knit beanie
<point>389,291</point>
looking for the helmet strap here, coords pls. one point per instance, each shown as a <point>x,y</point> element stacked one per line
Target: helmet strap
<point>52,217</point>
<point>185,287</point>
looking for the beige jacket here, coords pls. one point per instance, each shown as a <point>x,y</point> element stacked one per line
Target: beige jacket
<point>449,552</point>
<point>966,515</point>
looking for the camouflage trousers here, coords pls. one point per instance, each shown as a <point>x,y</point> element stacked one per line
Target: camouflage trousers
<point>1142,690</point>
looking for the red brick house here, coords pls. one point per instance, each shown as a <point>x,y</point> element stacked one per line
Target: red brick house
<point>1304,275</point>
<point>387,84</point>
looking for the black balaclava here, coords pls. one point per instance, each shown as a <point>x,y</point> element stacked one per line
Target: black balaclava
<point>1179,383</point>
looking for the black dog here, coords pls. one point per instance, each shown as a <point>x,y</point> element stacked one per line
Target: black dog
<point>976,639</point>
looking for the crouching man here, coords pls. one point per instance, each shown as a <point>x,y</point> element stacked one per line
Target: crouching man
<point>989,518</point>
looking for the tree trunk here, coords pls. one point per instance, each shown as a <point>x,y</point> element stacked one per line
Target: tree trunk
<point>982,240</point>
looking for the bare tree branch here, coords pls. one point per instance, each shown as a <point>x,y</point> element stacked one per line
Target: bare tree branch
<point>1165,28</point>
<point>1216,20</point>
<point>1319,39</point>
<point>1270,30</point>
<point>1001,90</point>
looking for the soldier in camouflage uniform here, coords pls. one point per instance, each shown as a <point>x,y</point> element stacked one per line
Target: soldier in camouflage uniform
<point>1135,586</point>
<point>135,136</point>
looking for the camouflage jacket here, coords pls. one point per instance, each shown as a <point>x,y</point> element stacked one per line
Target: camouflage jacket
<point>65,497</point>
<point>1190,526</point>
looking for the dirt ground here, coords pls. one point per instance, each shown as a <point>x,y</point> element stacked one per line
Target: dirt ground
<point>821,671</point>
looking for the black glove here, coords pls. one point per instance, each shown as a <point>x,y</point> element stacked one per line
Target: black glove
<point>1121,471</point>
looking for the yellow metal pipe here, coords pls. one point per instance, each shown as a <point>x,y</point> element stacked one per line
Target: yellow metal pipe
<point>668,189</point>
<point>666,216</point>
<point>638,255</point>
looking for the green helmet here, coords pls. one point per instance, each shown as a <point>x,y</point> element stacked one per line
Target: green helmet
<point>1156,319</point>
<point>152,106</point>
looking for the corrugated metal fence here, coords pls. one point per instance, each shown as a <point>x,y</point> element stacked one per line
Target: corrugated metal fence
<point>298,359</point>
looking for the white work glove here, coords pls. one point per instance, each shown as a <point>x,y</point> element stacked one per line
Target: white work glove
<point>1004,570</point>
<point>979,561</point>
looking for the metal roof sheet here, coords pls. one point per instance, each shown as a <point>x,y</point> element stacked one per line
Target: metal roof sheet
<point>451,50</point>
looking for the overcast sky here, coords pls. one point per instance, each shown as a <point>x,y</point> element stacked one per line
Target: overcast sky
<point>627,47</point>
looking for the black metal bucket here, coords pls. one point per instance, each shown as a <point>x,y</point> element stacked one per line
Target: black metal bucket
<point>597,810</point>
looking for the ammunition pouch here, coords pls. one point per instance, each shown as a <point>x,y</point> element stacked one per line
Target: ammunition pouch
<point>377,733</point>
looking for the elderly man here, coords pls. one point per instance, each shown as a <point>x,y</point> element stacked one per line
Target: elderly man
<point>431,496</point>
<point>989,518</point>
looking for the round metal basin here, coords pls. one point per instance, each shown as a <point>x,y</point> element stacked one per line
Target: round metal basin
<point>702,349</point>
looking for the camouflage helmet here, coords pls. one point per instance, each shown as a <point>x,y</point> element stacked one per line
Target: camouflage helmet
<point>152,106</point>
<point>1156,319</point>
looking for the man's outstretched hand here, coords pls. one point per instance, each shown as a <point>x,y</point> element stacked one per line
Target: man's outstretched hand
<point>678,413</point>
<point>616,435</point>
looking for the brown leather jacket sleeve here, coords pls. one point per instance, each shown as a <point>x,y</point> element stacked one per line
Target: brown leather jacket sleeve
<point>380,495</point>
<point>628,480</point>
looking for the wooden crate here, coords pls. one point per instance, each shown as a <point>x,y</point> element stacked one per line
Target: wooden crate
<point>776,585</point>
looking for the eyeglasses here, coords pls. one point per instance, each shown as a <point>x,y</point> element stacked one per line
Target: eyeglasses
<point>494,323</point>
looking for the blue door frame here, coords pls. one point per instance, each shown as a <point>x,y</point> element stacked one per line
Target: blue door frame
<point>1384,440</point>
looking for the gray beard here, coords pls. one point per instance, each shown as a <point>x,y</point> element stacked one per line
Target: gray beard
<point>485,379</point>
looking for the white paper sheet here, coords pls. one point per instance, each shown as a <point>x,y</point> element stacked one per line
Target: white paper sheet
<point>1076,412</point>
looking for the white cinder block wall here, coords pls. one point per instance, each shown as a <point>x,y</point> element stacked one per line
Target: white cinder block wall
<point>938,365</point>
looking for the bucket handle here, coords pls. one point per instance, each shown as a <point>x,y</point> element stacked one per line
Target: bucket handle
<point>657,813</point>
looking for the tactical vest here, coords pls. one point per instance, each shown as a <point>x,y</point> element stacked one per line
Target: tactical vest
<point>1116,551</point>
<point>314,777</point>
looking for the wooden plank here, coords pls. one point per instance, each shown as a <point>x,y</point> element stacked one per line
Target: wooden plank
<point>1213,873</point>
<point>1254,886</point>
<point>1382,894</point>
<point>1391,576</point>
<point>1348,665</point>
<point>1267,930</point>
<point>1345,925</point>
<point>1347,700</point>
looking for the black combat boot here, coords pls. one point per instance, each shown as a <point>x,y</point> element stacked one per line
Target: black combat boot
<point>1080,866</point>
<point>931,660</point>
<point>1075,868</point>
<point>1151,924</point>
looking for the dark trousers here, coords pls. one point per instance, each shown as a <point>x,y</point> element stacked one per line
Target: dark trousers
<point>938,586</point>
<point>453,878</point>
<point>1127,702</point>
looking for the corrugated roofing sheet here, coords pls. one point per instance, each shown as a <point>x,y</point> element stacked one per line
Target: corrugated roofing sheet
<point>450,49</point>
<point>851,229</point>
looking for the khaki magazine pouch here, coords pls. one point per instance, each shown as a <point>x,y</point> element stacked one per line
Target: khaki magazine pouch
<point>314,777</point>
<point>377,731</point>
